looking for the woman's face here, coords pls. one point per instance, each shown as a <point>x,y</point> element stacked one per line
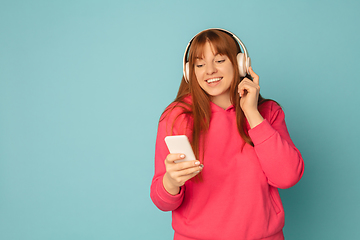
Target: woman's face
<point>215,73</point>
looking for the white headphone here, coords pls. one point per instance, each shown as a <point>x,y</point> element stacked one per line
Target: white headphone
<point>243,59</point>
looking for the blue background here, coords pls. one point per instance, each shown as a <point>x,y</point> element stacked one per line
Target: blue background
<point>83,83</point>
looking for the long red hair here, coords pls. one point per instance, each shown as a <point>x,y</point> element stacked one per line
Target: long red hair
<point>198,110</point>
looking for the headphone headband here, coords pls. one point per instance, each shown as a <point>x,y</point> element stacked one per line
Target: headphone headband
<point>240,43</point>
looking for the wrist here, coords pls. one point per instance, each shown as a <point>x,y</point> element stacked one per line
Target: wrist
<point>169,187</point>
<point>254,118</point>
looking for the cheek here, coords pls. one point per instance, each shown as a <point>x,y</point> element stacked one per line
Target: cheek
<point>232,73</point>
<point>196,71</point>
<point>197,74</point>
<point>199,77</point>
<point>230,69</point>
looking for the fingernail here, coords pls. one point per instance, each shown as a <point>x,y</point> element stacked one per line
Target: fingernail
<point>182,155</point>
<point>202,165</point>
<point>197,163</point>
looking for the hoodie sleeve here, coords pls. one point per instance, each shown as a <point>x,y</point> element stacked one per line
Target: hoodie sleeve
<point>280,160</point>
<point>174,123</point>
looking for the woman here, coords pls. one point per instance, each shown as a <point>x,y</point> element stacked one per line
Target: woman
<point>243,148</point>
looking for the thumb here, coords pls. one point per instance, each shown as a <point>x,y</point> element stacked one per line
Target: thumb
<point>254,76</point>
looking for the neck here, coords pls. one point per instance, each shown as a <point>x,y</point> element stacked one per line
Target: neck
<point>222,101</point>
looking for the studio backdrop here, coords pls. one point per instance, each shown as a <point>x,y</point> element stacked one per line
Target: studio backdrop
<point>83,84</point>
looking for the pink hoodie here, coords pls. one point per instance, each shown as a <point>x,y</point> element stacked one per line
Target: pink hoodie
<point>238,197</point>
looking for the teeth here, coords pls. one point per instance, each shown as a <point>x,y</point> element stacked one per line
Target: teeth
<point>213,80</point>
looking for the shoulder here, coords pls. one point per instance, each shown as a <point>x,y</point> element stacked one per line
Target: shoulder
<point>177,117</point>
<point>177,108</point>
<point>269,109</point>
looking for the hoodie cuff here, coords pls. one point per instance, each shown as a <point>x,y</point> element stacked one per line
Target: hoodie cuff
<point>167,197</point>
<point>261,132</point>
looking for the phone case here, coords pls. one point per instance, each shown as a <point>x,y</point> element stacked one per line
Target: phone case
<point>180,144</point>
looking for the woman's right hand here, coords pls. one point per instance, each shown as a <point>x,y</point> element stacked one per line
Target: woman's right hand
<point>178,173</point>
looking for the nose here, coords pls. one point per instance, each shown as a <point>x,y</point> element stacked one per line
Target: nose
<point>210,69</point>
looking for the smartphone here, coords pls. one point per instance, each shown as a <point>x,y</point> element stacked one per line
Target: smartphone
<point>180,144</point>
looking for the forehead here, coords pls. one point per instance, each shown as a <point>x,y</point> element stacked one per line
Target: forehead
<point>206,48</point>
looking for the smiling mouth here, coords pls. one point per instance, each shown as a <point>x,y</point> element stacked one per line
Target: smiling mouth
<point>213,80</point>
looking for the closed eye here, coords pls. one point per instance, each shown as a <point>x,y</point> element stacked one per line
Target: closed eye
<point>221,61</point>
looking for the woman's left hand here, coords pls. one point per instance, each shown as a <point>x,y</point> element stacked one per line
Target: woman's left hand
<point>249,94</point>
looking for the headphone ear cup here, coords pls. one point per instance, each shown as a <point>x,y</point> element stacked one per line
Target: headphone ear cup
<point>187,72</point>
<point>248,65</point>
<point>242,64</point>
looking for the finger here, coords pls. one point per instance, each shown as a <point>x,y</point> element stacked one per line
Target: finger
<point>191,171</point>
<point>186,165</point>
<point>180,177</point>
<point>180,180</point>
<point>254,76</point>
<point>244,86</point>
<point>247,84</point>
<point>242,92</point>
<point>192,175</point>
<point>172,157</point>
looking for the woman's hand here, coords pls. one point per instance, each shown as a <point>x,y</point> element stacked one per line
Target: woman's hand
<point>249,94</point>
<point>178,173</point>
